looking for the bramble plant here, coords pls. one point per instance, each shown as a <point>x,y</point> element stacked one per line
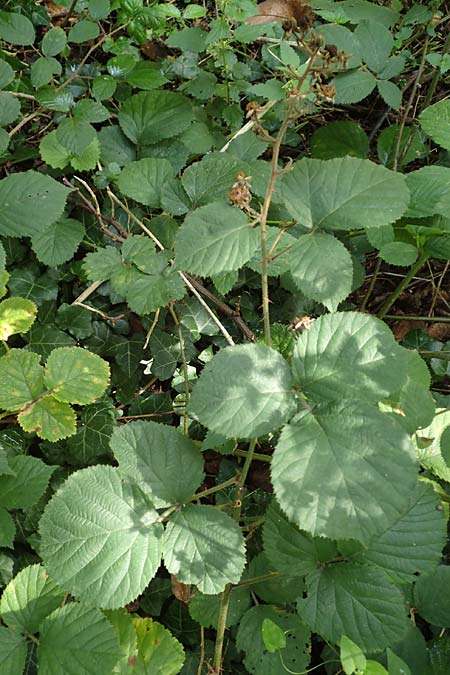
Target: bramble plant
<point>215,454</point>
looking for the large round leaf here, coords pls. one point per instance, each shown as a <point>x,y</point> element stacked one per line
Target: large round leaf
<point>363,457</point>
<point>344,193</point>
<point>100,538</point>
<point>213,239</point>
<point>160,458</point>
<point>321,268</point>
<point>413,543</point>
<point>29,201</point>
<point>348,355</point>
<point>205,547</point>
<point>21,379</point>
<point>49,419</point>
<point>75,375</point>
<point>144,180</point>
<point>77,639</point>
<point>356,601</point>
<point>56,243</point>
<point>245,391</point>
<point>150,117</point>
<point>29,598</point>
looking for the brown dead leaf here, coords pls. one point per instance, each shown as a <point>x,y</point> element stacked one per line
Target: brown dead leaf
<point>182,592</point>
<point>439,331</point>
<point>280,10</point>
<point>401,328</point>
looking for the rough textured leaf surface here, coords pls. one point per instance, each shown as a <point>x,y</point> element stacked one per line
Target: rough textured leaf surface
<point>213,239</point>
<point>100,540</point>
<point>205,547</point>
<point>344,193</point>
<point>245,391</point>
<point>159,458</point>
<point>21,379</point>
<point>77,639</point>
<point>29,201</point>
<point>432,596</point>
<point>29,598</point>
<point>75,375</point>
<point>348,355</point>
<point>359,453</point>
<point>150,117</point>
<point>49,419</point>
<point>356,601</point>
<point>13,652</point>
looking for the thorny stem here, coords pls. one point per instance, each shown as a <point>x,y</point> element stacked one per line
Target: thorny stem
<point>268,200</point>
<point>228,588</point>
<point>420,262</point>
<point>212,490</point>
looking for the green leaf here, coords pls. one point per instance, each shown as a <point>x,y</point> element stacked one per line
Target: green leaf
<point>289,549</point>
<point>43,339</point>
<point>358,193</point>
<point>391,94</point>
<point>214,239</point>
<point>158,652</point>
<point>353,86</point>
<point>150,117</point>
<point>99,9</point>
<point>145,293</point>
<point>52,152</point>
<point>28,599</point>
<point>210,179</point>
<point>435,121</point>
<point>376,43</point>
<point>100,539</point>
<point>29,201</point>
<point>93,433</point>
<point>245,392</point>
<point>103,87</point>
<point>7,529</point>
<point>4,141</point>
<point>83,31</point>
<point>49,419</point>
<point>16,316</point>
<point>413,544</point>
<point>9,108</point>
<point>21,379</point>
<point>273,636</point>
<point>159,458</point>
<point>339,139</point>
<point>432,596</point>
<point>43,69</point>
<point>411,145</point>
<point>348,355</point>
<point>77,639</point>
<point>54,41</point>
<point>356,601</point>
<point>115,146</point>
<point>321,268</point>
<point>399,253</point>
<point>146,75</point>
<point>360,454</point>
<point>205,609</point>
<point>101,265</point>
<point>143,180</point>
<point>13,651</point>
<point>16,28</point>
<point>166,353</point>
<point>75,135</point>
<point>352,658</point>
<point>75,375</point>
<point>27,485</point>
<point>258,660</point>
<point>439,655</point>
<point>88,159</point>
<point>430,456</point>
<point>430,191</point>
<point>56,243</point>
<point>24,281</point>
<point>6,74</point>
<point>205,547</point>
<point>396,665</point>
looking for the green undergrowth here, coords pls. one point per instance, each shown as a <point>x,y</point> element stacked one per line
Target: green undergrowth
<point>215,455</point>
